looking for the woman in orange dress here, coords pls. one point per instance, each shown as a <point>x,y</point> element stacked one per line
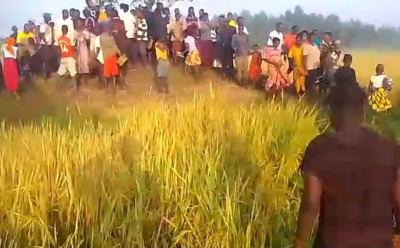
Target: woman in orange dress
<point>278,78</point>
<point>255,65</point>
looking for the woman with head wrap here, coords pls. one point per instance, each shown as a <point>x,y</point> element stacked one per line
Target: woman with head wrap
<point>10,65</point>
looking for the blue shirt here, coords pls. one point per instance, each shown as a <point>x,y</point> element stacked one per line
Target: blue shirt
<point>317,42</point>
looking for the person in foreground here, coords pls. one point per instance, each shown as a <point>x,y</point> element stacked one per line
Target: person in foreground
<point>351,179</point>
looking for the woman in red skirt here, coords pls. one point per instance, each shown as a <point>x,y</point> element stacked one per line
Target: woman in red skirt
<point>10,65</point>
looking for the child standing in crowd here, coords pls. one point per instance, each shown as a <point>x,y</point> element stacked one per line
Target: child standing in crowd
<point>345,71</point>
<point>68,62</point>
<point>296,64</point>
<point>255,66</point>
<point>193,60</point>
<point>9,54</point>
<point>162,66</point>
<point>108,47</point>
<point>379,85</point>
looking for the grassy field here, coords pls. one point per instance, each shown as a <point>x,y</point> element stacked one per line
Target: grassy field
<point>212,165</point>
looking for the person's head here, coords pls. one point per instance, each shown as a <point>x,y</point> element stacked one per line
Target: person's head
<point>27,28</point>
<point>113,13</point>
<point>347,60</point>
<point>279,27</point>
<point>276,42</point>
<point>327,37</point>
<point>304,35</point>
<point>380,69</point>
<point>294,29</point>
<point>46,17</point>
<point>255,47</point>
<point>201,12</point>
<point>206,18</point>
<point>51,24</point>
<point>124,7</point>
<point>86,13</point>
<point>108,9</point>
<point>166,11</point>
<point>191,11</point>
<point>221,18</point>
<point>64,29</point>
<point>312,36</point>
<point>299,39</point>
<point>107,28</point>
<point>71,12</point>
<point>14,29</point>
<point>241,29</point>
<point>159,7</point>
<point>240,21</point>
<point>77,15</point>
<point>97,29</point>
<point>177,11</point>
<point>65,14</point>
<point>177,16</point>
<point>11,41</point>
<point>230,16</point>
<point>140,14</point>
<point>134,12</point>
<point>31,41</point>
<point>346,103</point>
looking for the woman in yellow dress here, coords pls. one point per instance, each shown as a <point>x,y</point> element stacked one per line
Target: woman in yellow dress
<point>296,63</point>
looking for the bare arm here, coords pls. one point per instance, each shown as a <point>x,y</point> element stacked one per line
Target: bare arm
<point>309,209</point>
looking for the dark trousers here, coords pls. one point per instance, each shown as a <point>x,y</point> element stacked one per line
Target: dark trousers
<point>312,77</point>
<point>142,51</point>
<point>133,50</point>
<point>227,62</point>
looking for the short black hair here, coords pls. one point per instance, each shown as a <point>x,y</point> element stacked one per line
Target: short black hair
<point>276,39</point>
<point>328,33</point>
<point>278,24</point>
<point>346,95</point>
<point>347,58</point>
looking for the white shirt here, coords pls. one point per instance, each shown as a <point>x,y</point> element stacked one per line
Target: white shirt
<point>275,34</point>
<point>98,46</point>
<point>7,54</point>
<point>192,43</point>
<point>58,29</point>
<point>129,23</point>
<point>47,32</point>
<point>377,80</point>
<point>244,30</point>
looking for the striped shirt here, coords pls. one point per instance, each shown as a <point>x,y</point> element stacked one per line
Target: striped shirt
<point>326,50</point>
<point>142,30</point>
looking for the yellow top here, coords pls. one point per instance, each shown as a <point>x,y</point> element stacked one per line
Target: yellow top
<point>232,23</point>
<point>161,54</point>
<point>296,53</point>
<point>103,16</point>
<point>22,36</point>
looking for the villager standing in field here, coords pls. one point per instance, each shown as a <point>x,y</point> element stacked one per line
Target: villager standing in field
<point>163,65</point>
<point>351,179</point>
<point>240,44</point>
<point>206,45</point>
<point>277,79</point>
<point>379,85</point>
<point>10,65</point>
<point>68,62</point>
<point>176,30</point>
<point>141,37</point>
<point>255,70</point>
<point>312,56</point>
<point>82,37</point>
<point>297,65</point>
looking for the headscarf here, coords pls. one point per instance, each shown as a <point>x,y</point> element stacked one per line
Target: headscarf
<point>10,43</point>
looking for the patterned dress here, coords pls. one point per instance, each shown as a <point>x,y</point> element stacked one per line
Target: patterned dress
<point>83,52</point>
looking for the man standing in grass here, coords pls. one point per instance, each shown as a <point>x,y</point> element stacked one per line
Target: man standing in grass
<point>351,180</point>
<point>68,62</point>
<point>240,44</point>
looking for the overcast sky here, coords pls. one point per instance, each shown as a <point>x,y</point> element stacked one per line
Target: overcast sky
<point>382,12</point>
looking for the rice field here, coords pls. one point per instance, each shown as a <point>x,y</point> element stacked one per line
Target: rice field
<point>212,170</point>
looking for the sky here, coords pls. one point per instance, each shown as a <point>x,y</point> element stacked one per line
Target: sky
<point>20,11</point>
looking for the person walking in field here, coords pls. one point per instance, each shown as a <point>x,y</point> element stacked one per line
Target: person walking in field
<point>351,180</point>
<point>10,65</point>
<point>297,65</point>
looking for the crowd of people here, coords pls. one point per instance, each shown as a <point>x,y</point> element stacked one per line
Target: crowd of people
<point>105,42</point>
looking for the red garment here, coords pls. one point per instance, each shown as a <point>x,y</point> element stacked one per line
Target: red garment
<point>289,40</point>
<point>255,66</point>
<point>206,48</point>
<point>111,66</point>
<point>11,76</point>
<point>67,50</point>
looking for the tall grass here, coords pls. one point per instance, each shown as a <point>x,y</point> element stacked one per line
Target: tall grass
<point>201,174</point>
